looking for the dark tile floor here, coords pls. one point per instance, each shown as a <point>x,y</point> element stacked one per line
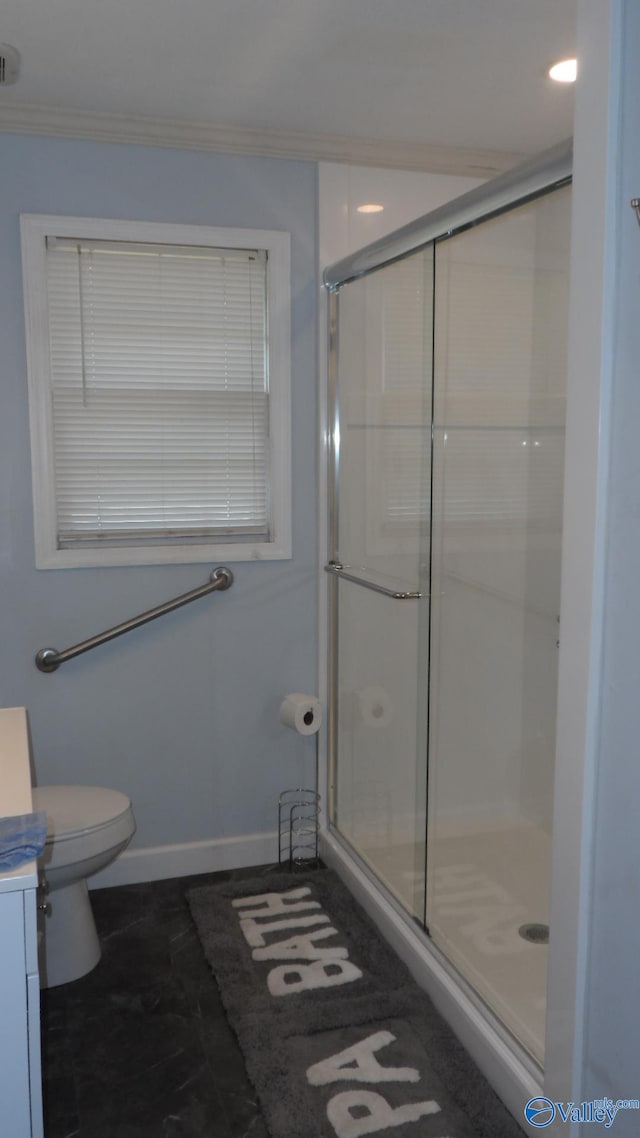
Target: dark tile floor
<point>140,1048</point>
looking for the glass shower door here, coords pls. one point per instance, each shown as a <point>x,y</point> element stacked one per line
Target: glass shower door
<point>498,445</point>
<point>382,513</point>
<point>448,368</point>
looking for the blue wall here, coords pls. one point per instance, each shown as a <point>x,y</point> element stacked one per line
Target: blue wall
<point>182,714</point>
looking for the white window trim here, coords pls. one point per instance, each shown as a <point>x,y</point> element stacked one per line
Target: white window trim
<point>34,230</point>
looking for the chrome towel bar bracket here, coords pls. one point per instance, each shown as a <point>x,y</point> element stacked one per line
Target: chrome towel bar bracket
<point>49,659</point>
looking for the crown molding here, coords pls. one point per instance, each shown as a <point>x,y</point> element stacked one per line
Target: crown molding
<point>143,130</point>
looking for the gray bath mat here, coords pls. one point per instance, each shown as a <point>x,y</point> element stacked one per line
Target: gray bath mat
<point>338,1039</point>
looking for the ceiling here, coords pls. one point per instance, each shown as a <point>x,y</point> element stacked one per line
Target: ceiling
<point>426,73</point>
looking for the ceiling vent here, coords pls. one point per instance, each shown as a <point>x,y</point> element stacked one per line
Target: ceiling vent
<point>9,64</point>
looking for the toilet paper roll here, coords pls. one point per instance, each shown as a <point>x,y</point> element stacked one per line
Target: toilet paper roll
<point>301,712</point>
<point>373,706</point>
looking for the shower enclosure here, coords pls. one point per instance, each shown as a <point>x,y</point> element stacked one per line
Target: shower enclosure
<point>447,392</point>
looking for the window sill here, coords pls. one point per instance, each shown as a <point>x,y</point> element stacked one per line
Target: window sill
<point>160,555</point>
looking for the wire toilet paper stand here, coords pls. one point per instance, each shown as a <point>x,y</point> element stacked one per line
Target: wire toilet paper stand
<point>299,807</point>
<point>298,828</point>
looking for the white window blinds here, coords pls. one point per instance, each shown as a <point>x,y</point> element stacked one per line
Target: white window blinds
<point>159,392</point>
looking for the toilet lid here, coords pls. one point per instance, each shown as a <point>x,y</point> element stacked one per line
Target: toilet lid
<point>73,810</point>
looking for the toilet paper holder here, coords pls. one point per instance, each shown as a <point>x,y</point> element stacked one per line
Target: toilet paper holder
<point>298,828</point>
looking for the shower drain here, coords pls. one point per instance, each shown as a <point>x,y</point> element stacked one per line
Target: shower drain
<point>536,933</point>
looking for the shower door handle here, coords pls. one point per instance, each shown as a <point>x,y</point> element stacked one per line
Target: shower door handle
<point>338,570</point>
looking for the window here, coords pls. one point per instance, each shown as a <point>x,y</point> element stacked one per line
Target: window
<point>158,360</point>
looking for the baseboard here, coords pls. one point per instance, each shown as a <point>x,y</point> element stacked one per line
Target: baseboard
<point>154,863</point>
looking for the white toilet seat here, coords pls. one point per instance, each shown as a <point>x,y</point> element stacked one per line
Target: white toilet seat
<point>73,811</point>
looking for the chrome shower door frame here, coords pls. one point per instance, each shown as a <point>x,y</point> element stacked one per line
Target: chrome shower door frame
<point>533,179</point>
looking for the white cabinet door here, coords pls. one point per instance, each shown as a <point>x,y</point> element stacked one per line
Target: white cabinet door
<point>15,1090</point>
<point>35,1062</point>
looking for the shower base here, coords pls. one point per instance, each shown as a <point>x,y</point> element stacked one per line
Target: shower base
<point>508,1066</point>
<point>482,888</point>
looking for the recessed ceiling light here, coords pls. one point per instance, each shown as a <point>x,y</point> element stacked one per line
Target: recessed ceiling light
<point>564,71</point>
<point>370,207</point>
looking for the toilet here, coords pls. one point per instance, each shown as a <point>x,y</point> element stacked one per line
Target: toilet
<point>87,827</point>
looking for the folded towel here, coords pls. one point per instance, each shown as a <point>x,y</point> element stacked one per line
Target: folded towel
<point>22,837</point>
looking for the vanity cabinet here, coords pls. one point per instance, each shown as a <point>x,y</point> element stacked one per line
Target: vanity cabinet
<point>20,1063</point>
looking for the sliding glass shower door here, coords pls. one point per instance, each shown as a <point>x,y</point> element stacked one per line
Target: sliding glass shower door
<point>448,435</point>
<point>383,412</point>
<point>498,455</point>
